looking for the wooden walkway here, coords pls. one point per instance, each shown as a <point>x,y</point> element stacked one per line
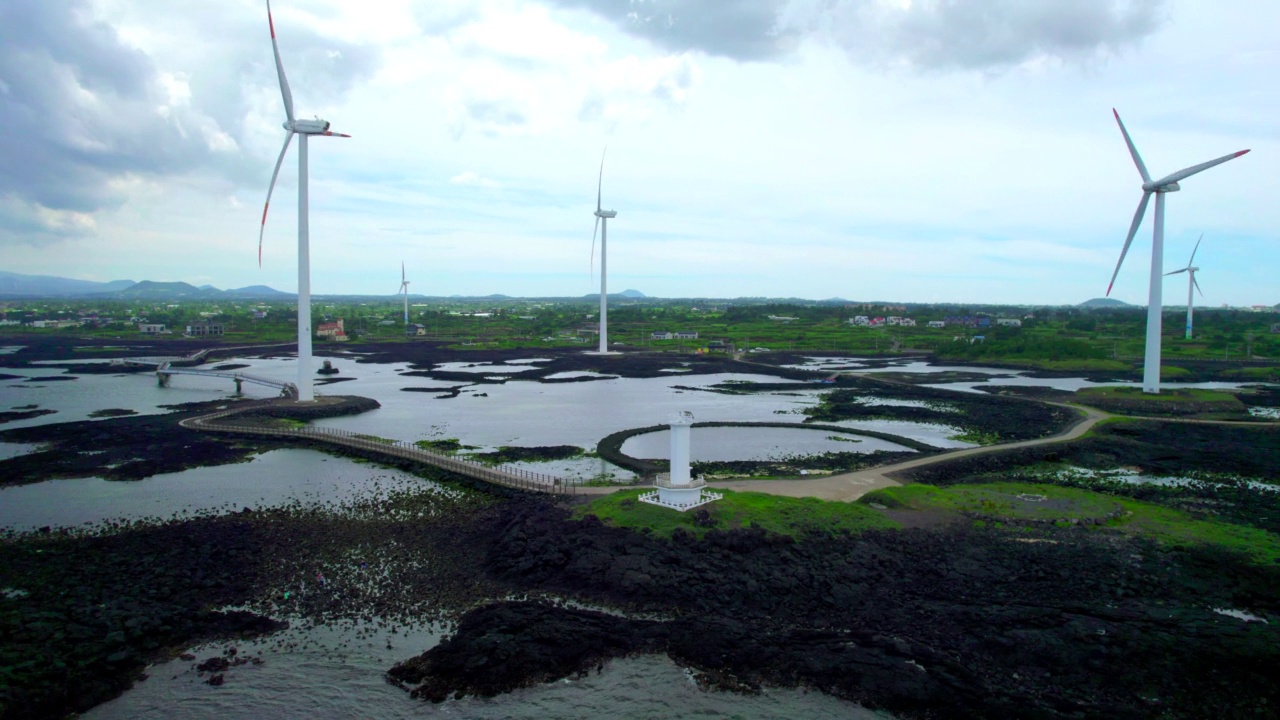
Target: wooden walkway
<point>503,475</point>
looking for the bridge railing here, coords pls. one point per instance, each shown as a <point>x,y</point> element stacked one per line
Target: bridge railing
<point>505,475</point>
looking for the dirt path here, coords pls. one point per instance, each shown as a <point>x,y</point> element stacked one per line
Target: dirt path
<point>853,485</point>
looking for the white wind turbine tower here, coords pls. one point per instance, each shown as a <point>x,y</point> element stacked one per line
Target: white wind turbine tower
<point>1191,271</point>
<point>404,290</point>
<point>602,224</point>
<point>1167,184</point>
<point>303,129</point>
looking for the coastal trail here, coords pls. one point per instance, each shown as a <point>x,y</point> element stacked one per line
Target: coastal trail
<point>853,485</point>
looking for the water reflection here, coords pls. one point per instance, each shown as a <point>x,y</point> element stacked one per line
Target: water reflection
<point>717,444</point>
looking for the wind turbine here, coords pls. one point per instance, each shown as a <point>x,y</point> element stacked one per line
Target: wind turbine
<point>303,129</point>
<point>1166,184</point>
<point>404,289</point>
<point>602,224</point>
<point>1191,271</point>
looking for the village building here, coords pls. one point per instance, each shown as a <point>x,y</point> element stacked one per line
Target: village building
<point>332,330</point>
<point>205,327</point>
<point>152,328</point>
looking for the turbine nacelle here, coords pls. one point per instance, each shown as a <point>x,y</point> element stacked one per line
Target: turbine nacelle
<point>606,214</point>
<point>1156,187</point>
<point>307,127</point>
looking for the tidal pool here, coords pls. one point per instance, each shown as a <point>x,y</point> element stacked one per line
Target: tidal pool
<point>336,672</point>
<point>716,444</point>
<point>480,368</point>
<point>272,479</point>
<point>13,450</point>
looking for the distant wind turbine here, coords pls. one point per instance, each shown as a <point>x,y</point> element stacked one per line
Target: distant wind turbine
<point>303,129</point>
<point>1167,184</point>
<point>602,224</point>
<point>1191,271</point>
<point>404,289</point>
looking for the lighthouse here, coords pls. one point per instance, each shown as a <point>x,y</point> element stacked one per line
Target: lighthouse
<point>677,489</point>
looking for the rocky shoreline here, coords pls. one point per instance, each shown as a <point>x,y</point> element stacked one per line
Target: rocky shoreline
<point>950,622</point>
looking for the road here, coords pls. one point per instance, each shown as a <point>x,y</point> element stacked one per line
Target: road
<point>853,485</point>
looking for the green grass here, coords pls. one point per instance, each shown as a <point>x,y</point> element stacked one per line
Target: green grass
<point>377,439</point>
<point>977,437</point>
<point>1074,365</point>
<point>1173,372</point>
<point>1269,374</point>
<point>779,515</point>
<point>1165,525</point>
<point>1166,396</point>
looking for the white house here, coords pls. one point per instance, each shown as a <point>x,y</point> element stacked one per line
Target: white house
<point>937,323</point>
<point>1009,322</point>
<point>686,334</point>
<point>661,335</point>
<point>151,328</point>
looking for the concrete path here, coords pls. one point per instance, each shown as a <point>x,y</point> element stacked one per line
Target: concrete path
<point>853,485</point>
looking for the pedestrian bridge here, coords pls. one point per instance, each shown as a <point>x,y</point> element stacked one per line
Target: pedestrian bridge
<point>165,370</point>
<point>504,475</point>
<point>287,389</point>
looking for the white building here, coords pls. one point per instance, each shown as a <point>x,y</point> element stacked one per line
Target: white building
<point>676,489</point>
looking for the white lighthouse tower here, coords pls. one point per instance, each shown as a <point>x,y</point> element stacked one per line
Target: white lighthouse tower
<point>676,490</point>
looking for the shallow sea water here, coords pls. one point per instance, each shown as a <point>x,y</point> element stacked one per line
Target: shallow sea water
<point>272,479</point>
<point>332,673</point>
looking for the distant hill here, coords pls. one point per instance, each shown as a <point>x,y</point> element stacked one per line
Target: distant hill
<point>259,291</point>
<point>624,295</point>
<point>17,284</point>
<point>1104,303</point>
<point>149,289</point>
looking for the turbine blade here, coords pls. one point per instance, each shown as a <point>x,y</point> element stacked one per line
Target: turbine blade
<point>330,133</point>
<point>284,82</point>
<point>1175,272</point>
<point>288,138</point>
<point>1192,261</point>
<point>1196,284</point>
<point>1188,172</point>
<point>593,246</point>
<point>600,182</point>
<point>402,273</point>
<point>1133,151</point>
<point>1133,229</point>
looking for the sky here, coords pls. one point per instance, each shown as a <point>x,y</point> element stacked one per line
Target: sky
<point>896,150</point>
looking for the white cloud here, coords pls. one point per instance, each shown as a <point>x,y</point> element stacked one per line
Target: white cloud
<point>473,179</point>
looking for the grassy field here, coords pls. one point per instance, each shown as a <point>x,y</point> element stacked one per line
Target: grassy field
<point>1196,395</point>
<point>1165,525</point>
<point>780,515</point>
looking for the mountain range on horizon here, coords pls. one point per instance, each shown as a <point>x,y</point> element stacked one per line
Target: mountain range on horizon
<point>17,285</point>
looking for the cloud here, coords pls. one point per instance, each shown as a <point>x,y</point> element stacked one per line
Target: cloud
<point>86,102</point>
<point>923,34</point>
<point>474,179</point>
<point>737,29</point>
<point>992,34</point>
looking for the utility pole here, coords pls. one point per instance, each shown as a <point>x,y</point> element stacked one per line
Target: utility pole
<point>1248,352</point>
